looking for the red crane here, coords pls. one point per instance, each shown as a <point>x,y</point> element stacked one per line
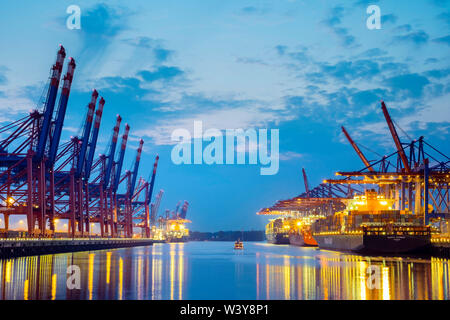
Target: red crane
<point>394,134</point>
<point>358,151</point>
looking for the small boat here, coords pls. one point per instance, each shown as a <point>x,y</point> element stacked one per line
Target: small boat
<point>238,245</point>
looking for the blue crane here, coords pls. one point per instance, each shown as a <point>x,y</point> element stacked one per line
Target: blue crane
<point>64,98</point>
<point>120,160</point>
<point>86,132</point>
<point>50,104</point>
<point>135,169</point>
<point>112,150</point>
<point>93,141</point>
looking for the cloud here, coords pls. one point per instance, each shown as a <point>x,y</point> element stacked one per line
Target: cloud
<point>444,16</point>
<point>444,40</point>
<point>333,22</point>
<point>417,37</point>
<point>3,79</point>
<point>413,84</point>
<point>252,10</point>
<point>160,53</point>
<point>346,71</point>
<point>389,18</point>
<point>290,155</point>
<point>100,26</point>
<point>217,114</point>
<point>365,3</point>
<point>161,73</point>
<point>251,61</point>
<point>374,52</point>
<point>438,73</point>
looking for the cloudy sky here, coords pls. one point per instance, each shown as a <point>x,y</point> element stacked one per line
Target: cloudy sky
<point>303,67</point>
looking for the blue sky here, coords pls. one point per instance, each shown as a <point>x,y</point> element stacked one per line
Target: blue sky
<point>303,67</point>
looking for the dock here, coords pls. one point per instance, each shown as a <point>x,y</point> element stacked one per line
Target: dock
<point>18,247</point>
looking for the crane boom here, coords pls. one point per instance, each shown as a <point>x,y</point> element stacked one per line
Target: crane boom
<point>93,141</point>
<point>152,181</point>
<point>394,134</point>
<point>184,210</point>
<point>136,168</point>
<point>50,103</point>
<point>305,179</point>
<point>86,133</point>
<point>358,151</point>
<point>64,98</point>
<point>121,156</point>
<point>155,207</point>
<point>112,150</point>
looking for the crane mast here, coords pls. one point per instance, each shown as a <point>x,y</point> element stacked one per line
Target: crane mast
<point>358,151</point>
<point>86,132</point>
<point>394,134</point>
<point>136,168</point>
<point>64,98</point>
<point>93,141</point>
<point>112,150</point>
<point>121,157</point>
<point>305,180</point>
<point>50,103</point>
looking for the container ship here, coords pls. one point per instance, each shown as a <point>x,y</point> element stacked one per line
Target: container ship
<point>277,231</point>
<point>176,230</point>
<point>370,225</point>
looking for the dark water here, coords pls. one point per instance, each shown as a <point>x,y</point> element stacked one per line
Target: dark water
<point>213,270</point>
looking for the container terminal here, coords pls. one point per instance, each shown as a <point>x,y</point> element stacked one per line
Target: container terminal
<point>398,204</point>
<point>50,183</point>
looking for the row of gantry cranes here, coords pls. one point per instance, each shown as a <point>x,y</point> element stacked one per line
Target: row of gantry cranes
<point>48,181</point>
<point>416,176</point>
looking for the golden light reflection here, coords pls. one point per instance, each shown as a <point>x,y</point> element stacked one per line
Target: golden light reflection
<point>54,283</point>
<point>8,271</point>
<point>161,272</point>
<point>172,269</point>
<point>91,274</point>
<point>362,280</point>
<point>108,266</point>
<point>180,273</point>
<point>120,278</point>
<point>287,278</point>
<point>386,288</point>
<point>25,290</point>
<point>139,278</point>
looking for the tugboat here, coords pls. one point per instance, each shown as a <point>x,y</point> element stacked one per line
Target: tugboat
<point>277,231</point>
<point>238,245</point>
<point>301,235</point>
<point>370,225</point>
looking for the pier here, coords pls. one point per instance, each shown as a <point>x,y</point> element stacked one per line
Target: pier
<point>18,247</point>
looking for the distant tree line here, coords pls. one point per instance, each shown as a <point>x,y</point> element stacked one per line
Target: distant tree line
<point>227,236</point>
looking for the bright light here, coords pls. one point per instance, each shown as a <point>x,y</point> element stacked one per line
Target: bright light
<point>299,223</point>
<point>21,222</point>
<point>56,221</point>
<point>11,200</point>
<point>182,227</point>
<point>172,227</point>
<point>383,203</point>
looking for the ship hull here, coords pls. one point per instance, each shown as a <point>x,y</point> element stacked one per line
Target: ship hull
<point>302,241</point>
<point>278,238</point>
<point>388,244</point>
<point>176,239</point>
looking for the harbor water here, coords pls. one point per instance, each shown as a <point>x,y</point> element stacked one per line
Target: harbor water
<point>214,270</point>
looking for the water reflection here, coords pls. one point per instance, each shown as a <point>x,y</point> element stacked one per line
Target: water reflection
<point>216,271</point>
